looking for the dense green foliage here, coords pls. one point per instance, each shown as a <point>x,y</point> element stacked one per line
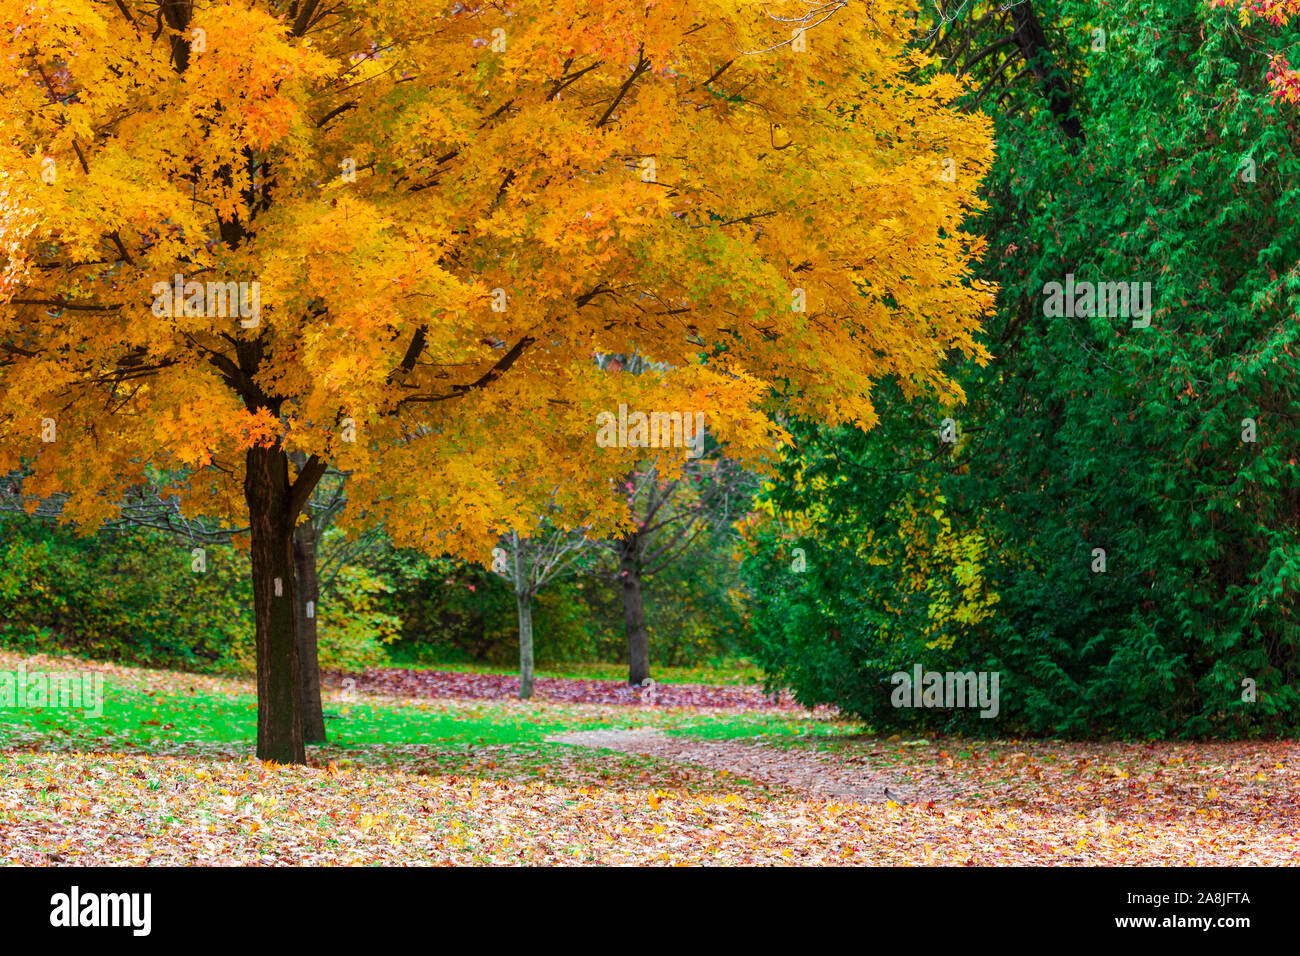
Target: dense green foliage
<point>133,597</point>
<point>1088,433</point>
<point>453,612</point>
<point>130,596</point>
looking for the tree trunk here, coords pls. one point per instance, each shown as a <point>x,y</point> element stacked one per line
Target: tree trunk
<point>525,604</point>
<point>638,638</point>
<point>1032,41</point>
<point>279,670</point>
<point>304,559</point>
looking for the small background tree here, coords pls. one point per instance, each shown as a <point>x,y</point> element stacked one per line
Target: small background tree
<point>529,563</point>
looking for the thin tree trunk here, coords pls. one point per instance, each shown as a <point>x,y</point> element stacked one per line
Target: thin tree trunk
<point>525,604</point>
<point>304,558</point>
<point>638,638</point>
<point>279,670</point>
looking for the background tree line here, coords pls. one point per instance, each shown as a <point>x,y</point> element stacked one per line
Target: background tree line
<point>1136,141</point>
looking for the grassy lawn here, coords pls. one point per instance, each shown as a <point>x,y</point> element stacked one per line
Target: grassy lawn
<point>166,775</point>
<point>161,710</point>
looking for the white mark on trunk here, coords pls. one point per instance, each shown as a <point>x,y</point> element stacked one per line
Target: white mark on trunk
<point>279,588</point>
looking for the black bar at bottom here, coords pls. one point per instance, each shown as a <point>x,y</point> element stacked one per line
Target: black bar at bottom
<point>730,906</point>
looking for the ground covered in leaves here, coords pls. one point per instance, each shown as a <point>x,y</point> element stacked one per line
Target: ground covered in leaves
<point>164,777</point>
<point>412,682</point>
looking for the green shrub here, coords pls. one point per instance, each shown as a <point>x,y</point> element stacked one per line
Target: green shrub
<point>133,597</point>
<point>123,596</point>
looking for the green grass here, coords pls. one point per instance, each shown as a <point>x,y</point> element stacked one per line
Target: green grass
<point>136,718</point>
<point>171,719</point>
<point>363,725</point>
<point>732,727</point>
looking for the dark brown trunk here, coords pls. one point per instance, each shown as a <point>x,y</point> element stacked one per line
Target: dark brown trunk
<point>279,670</point>
<point>638,638</point>
<point>304,559</point>
<point>1032,41</point>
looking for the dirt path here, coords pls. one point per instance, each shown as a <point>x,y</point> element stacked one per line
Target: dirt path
<point>808,772</point>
